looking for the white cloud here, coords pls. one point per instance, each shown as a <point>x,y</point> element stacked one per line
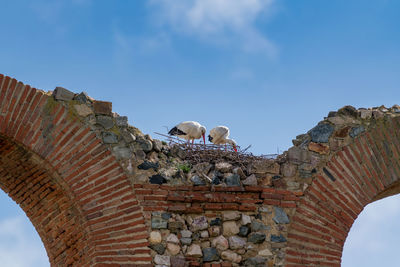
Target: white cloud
<point>20,245</point>
<point>225,22</point>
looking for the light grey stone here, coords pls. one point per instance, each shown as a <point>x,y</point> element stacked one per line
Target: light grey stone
<point>194,250</point>
<point>162,260</point>
<point>199,223</point>
<point>204,234</point>
<point>186,241</point>
<point>122,152</point>
<point>83,110</point>
<point>265,253</point>
<point>246,219</point>
<point>186,233</point>
<point>231,215</point>
<point>251,180</point>
<point>61,93</point>
<point>236,242</point>
<point>172,238</point>
<point>157,145</point>
<point>105,121</point>
<point>121,121</point>
<point>220,242</point>
<point>365,113</point>
<point>109,138</point>
<point>127,136</point>
<point>223,166</point>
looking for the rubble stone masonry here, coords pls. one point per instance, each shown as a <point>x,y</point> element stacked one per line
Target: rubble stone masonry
<point>101,193</point>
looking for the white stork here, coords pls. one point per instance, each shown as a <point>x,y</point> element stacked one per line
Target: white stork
<point>189,130</point>
<point>219,136</point>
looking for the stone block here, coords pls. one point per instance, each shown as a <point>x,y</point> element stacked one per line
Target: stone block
<point>162,260</point>
<point>223,166</point>
<point>199,223</point>
<point>172,238</point>
<point>146,165</point>
<point>157,222</point>
<point>231,215</point>
<point>159,248</point>
<point>236,242</point>
<point>251,180</point>
<point>197,180</point>
<point>105,121</point>
<point>210,254</point>
<point>233,180</point>
<point>231,256</point>
<point>321,133</point>
<point>319,148</point>
<point>280,216</point>
<point>109,138</point>
<point>61,93</point>
<point>278,238</point>
<point>122,152</point>
<point>82,98</point>
<point>173,249</point>
<point>121,121</point>
<point>83,110</point>
<point>102,107</point>
<point>220,242</point>
<point>157,179</point>
<point>194,250</point>
<point>256,238</point>
<point>155,237</point>
<point>355,131</point>
<point>230,228</point>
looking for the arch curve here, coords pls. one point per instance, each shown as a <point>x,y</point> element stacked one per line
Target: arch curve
<point>366,168</point>
<point>68,182</point>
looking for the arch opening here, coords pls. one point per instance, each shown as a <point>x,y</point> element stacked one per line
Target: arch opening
<point>373,237</point>
<point>38,190</point>
<point>18,236</point>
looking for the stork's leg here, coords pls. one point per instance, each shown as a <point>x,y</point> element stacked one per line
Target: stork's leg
<point>226,148</point>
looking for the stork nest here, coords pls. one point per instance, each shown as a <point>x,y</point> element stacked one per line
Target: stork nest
<point>197,153</point>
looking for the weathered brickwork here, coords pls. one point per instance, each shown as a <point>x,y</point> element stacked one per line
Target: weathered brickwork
<point>101,193</point>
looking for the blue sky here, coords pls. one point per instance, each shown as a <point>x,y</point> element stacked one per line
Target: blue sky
<point>268,69</point>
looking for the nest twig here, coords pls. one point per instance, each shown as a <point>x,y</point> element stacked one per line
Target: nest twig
<point>197,153</point>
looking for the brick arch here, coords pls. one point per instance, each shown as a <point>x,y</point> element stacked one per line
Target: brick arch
<point>363,171</point>
<point>68,182</point>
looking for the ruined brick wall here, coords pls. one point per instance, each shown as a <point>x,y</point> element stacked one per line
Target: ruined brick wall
<point>101,193</point>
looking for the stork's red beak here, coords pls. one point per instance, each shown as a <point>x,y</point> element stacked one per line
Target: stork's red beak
<point>204,139</point>
<point>234,148</point>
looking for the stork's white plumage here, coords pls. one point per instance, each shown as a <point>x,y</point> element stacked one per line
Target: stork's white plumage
<point>189,130</point>
<point>219,136</point>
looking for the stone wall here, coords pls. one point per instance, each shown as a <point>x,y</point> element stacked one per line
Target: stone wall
<point>136,201</point>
